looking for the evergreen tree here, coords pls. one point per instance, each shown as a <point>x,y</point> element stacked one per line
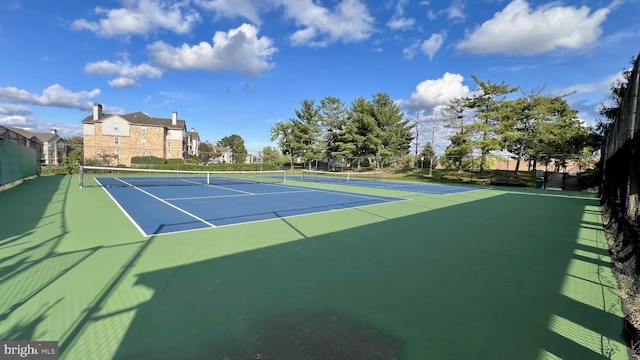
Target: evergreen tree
<point>363,130</point>
<point>394,131</point>
<point>306,132</point>
<point>488,104</point>
<point>333,119</point>
<point>455,118</point>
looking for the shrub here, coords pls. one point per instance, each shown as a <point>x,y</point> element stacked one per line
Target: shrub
<point>147,160</point>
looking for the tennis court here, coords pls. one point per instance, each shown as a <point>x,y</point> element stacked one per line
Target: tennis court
<point>493,274</point>
<point>374,180</point>
<point>166,209</point>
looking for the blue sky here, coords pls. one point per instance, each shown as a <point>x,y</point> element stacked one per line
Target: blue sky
<point>238,66</point>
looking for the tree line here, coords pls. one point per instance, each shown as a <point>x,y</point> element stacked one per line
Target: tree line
<point>373,129</point>
<point>533,127</point>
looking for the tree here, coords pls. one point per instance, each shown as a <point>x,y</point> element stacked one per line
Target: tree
<point>283,133</point>
<point>393,130</point>
<point>455,117</point>
<point>270,155</point>
<point>611,112</point>
<point>333,119</point>
<point>362,130</point>
<point>488,104</point>
<point>306,132</point>
<point>236,144</point>
<point>205,151</point>
<point>427,156</point>
<point>75,154</point>
<point>562,133</point>
<point>521,124</point>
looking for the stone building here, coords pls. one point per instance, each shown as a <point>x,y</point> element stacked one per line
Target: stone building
<point>112,139</point>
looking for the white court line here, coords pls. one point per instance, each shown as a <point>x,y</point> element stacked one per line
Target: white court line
<point>122,209</point>
<point>334,192</point>
<point>225,188</point>
<point>286,217</point>
<point>173,206</point>
<point>298,189</point>
<point>226,196</point>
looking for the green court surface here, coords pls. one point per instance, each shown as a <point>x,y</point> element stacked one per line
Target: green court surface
<point>488,274</point>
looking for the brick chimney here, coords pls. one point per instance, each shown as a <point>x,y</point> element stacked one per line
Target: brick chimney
<point>97,111</point>
<point>54,131</point>
<point>174,118</point>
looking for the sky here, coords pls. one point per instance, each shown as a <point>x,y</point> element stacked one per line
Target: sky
<point>239,66</point>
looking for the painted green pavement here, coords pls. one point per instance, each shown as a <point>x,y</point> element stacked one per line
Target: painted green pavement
<point>490,274</point>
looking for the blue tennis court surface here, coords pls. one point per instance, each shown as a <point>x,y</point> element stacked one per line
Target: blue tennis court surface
<point>424,188</point>
<point>168,209</point>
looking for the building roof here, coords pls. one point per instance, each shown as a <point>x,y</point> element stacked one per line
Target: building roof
<point>193,135</point>
<point>26,133</point>
<point>140,118</point>
<point>47,137</point>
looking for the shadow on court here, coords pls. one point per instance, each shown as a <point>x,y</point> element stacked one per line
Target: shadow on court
<point>23,210</point>
<point>479,280</point>
<point>23,207</point>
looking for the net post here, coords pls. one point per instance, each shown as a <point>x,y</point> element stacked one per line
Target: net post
<point>81,175</point>
<point>208,178</point>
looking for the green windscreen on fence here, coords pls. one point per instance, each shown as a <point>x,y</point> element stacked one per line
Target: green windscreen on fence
<point>16,162</point>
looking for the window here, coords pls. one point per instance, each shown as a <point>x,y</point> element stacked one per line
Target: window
<point>143,142</point>
<point>169,144</point>
<point>143,129</point>
<point>116,127</point>
<point>116,153</point>
<point>168,155</point>
<point>116,140</point>
<point>144,153</point>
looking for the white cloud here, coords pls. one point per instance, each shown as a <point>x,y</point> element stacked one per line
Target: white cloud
<point>350,21</point>
<point>39,126</point>
<point>398,21</point>
<point>428,47</point>
<point>454,12</point>
<point>435,92</point>
<point>603,86</point>
<point>127,73</point>
<point>232,9</point>
<point>140,18</point>
<point>518,29</point>
<point>238,50</point>
<point>411,51</point>
<point>54,95</point>
<point>18,121</point>
<point>14,109</point>
<point>432,45</point>
<point>123,83</point>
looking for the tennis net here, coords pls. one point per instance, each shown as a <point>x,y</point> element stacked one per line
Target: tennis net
<point>328,176</point>
<point>97,176</point>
